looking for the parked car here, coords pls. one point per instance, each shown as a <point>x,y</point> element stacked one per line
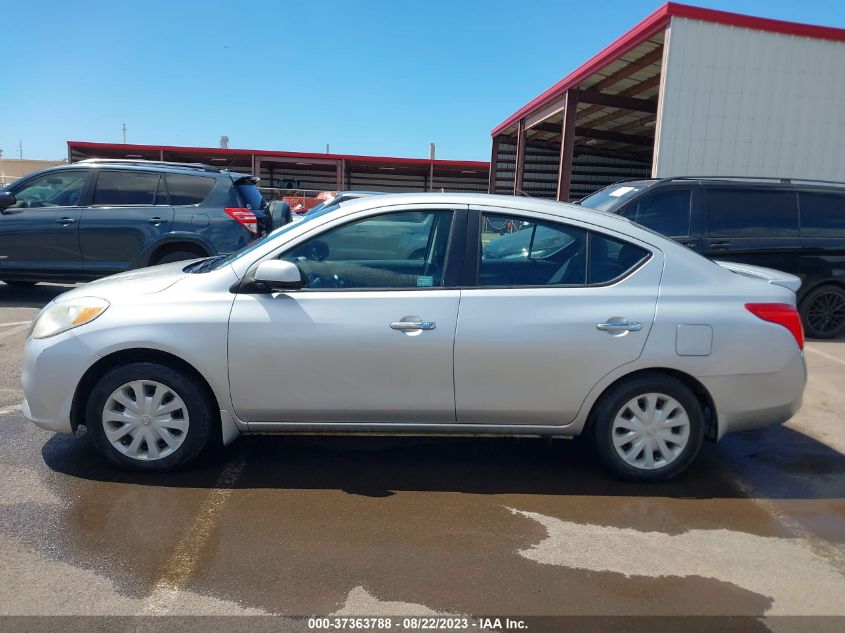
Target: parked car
<point>620,334</point>
<point>343,196</point>
<point>797,226</point>
<point>97,217</point>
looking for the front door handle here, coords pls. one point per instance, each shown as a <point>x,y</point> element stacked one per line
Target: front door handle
<point>620,326</point>
<point>155,221</point>
<point>412,324</point>
<point>720,245</point>
<point>66,220</point>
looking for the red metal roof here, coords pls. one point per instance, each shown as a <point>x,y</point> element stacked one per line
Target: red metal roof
<point>299,155</point>
<point>651,25</point>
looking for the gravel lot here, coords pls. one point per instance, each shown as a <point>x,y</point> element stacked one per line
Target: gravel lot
<point>309,526</point>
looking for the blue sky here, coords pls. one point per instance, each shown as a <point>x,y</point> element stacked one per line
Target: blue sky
<point>365,77</point>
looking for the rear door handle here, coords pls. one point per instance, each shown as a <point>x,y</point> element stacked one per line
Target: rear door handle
<point>620,326</point>
<point>66,220</point>
<point>412,325</point>
<point>721,245</point>
<point>156,221</point>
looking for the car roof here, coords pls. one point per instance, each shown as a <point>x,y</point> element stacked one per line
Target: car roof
<point>517,203</point>
<point>158,166</point>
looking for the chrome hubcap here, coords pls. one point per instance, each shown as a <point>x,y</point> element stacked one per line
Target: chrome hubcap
<point>145,420</point>
<point>650,431</point>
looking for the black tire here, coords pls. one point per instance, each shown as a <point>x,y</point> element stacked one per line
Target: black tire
<point>280,214</point>
<point>823,312</point>
<point>202,415</point>
<point>176,256</point>
<point>613,401</point>
<point>20,284</point>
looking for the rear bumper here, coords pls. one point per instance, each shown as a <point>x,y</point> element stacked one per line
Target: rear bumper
<point>752,401</point>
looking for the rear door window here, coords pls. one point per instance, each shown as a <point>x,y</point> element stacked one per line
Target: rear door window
<point>667,212</point>
<point>126,188</point>
<point>752,213</point>
<point>822,214</point>
<point>519,252</point>
<point>186,190</point>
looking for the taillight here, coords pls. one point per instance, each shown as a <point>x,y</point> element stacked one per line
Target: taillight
<point>782,314</point>
<point>245,217</point>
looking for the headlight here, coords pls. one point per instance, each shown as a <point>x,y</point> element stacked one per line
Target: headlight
<point>66,315</point>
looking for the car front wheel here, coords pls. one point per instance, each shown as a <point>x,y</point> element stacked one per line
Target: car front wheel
<point>147,416</point>
<point>649,428</point>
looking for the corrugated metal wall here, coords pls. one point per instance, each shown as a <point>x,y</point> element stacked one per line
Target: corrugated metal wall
<point>590,172</point>
<point>742,102</point>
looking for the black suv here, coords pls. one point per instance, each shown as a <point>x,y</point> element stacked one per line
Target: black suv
<point>797,226</point>
<point>97,217</point>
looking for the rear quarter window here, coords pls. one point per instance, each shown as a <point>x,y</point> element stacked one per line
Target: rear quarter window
<point>822,214</point>
<point>186,190</point>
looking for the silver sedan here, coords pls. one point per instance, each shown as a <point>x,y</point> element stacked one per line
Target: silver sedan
<point>426,314</point>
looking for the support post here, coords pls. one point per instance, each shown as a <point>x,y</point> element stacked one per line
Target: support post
<point>520,158</point>
<point>339,175</point>
<point>567,144</point>
<point>494,158</point>
<point>431,177</point>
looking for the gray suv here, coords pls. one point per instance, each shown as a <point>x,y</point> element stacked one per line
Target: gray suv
<point>98,217</point>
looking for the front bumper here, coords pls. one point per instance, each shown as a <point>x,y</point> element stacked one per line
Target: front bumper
<point>752,401</point>
<point>52,368</point>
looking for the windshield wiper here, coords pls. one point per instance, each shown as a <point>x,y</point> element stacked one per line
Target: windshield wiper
<point>204,264</point>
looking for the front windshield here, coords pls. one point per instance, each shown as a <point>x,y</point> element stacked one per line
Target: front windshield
<point>225,261</point>
<point>612,197</point>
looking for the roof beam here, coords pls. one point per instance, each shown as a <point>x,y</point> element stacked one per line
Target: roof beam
<point>636,89</point>
<point>617,101</point>
<point>625,72</point>
<point>601,135</point>
<point>616,137</point>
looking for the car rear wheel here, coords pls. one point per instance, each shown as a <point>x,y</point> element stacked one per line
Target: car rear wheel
<point>823,312</point>
<point>147,416</point>
<point>649,429</point>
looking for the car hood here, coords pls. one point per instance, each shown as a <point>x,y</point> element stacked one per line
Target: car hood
<point>143,281</point>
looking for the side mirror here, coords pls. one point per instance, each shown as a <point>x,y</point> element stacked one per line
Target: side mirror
<point>278,274</point>
<point>7,199</point>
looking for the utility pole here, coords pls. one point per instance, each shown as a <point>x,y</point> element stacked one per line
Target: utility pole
<point>124,133</point>
<point>327,149</point>
<point>20,149</point>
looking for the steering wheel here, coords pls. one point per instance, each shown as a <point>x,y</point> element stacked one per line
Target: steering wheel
<point>316,251</point>
<point>320,281</point>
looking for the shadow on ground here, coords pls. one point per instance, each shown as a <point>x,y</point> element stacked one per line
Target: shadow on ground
<point>783,463</point>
